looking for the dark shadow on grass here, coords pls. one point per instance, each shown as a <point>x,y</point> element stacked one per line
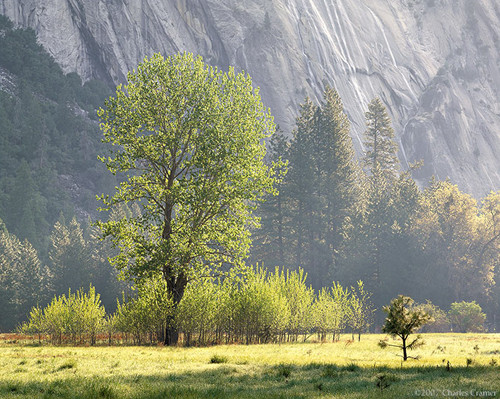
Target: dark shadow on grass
<point>283,381</point>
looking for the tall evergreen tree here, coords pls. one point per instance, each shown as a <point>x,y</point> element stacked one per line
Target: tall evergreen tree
<point>70,258</point>
<point>340,174</point>
<point>380,148</point>
<point>322,185</point>
<point>382,166</point>
<point>23,279</point>
<point>27,208</point>
<point>269,242</point>
<point>301,184</point>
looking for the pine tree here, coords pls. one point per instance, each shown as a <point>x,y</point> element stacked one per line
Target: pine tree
<point>70,258</point>
<point>402,321</point>
<point>301,184</point>
<point>382,165</point>
<point>381,149</point>
<point>322,186</point>
<point>340,174</point>
<point>270,240</point>
<point>23,280</point>
<point>27,209</point>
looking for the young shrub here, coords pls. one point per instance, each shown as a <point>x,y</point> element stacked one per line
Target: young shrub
<point>110,326</point>
<point>383,381</point>
<point>197,309</point>
<point>300,299</point>
<point>402,321</point>
<point>361,310</point>
<point>68,364</point>
<point>93,313</point>
<point>57,318</point>
<point>144,316</point>
<point>77,315</point>
<point>466,317</point>
<point>225,312</point>
<point>260,308</point>
<point>35,323</point>
<point>342,309</point>
<point>284,370</point>
<point>279,305</point>
<point>331,311</point>
<point>322,311</point>
<point>330,371</point>
<point>218,359</point>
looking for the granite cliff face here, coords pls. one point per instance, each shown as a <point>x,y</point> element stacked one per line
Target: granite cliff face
<point>435,63</point>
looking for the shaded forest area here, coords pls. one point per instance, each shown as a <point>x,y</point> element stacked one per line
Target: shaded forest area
<point>336,218</point>
<point>49,177</point>
<point>347,220</point>
<point>49,140</point>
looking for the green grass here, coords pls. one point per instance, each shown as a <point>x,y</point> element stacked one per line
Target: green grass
<point>343,369</point>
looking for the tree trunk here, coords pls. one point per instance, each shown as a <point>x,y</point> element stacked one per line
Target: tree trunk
<point>405,356</point>
<point>171,331</point>
<point>280,231</point>
<point>299,237</point>
<point>176,284</point>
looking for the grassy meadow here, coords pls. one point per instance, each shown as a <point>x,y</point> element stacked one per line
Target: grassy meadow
<point>344,369</point>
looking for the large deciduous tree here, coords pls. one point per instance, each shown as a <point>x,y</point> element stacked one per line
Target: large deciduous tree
<point>190,141</point>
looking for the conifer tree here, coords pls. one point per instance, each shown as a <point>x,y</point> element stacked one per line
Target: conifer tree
<point>301,183</point>
<point>27,208</point>
<point>23,279</point>
<point>381,163</point>
<point>70,257</point>
<point>270,240</point>
<point>322,186</point>
<point>402,321</point>
<point>381,149</point>
<point>340,174</point>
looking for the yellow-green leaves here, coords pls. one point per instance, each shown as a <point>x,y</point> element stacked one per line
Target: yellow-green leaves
<point>190,140</point>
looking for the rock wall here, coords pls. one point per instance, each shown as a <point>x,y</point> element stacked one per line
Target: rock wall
<point>435,63</point>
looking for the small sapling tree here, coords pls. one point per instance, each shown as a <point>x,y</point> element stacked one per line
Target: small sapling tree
<point>402,321</point>
<point>361,310</point>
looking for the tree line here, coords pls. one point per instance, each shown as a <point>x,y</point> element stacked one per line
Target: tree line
<point>76,259</point>
<point>252,306</point>
<point>343,219</point>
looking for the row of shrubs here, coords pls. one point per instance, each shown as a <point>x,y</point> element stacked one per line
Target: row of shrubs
<point>254,307</point>
<point>78,317</point>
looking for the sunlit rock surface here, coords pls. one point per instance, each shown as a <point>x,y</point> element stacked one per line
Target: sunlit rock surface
<point>435,63</point>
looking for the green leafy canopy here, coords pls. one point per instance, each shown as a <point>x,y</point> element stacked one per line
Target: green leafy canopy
<point>190,140</point>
